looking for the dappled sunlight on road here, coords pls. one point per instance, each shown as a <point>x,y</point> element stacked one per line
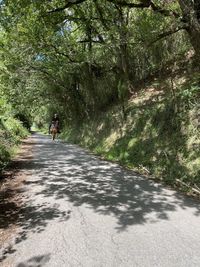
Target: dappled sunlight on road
<point>66,171</point>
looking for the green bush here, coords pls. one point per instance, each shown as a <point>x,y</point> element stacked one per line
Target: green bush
<point>15,129</point>
<point>4,156</point>
<point>11,132</point>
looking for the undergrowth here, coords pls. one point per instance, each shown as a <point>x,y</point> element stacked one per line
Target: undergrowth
<point>160,135</point>
<point>11,132</point>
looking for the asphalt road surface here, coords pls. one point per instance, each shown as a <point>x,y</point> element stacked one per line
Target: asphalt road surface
<point>79,210</point>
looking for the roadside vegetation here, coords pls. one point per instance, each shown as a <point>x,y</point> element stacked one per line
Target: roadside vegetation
<point>12,130</point>
<point>159,136</point>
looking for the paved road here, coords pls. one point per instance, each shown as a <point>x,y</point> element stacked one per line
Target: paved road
<point>82,211</point>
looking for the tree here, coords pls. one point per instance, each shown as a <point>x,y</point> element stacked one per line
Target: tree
<point>82,55</point>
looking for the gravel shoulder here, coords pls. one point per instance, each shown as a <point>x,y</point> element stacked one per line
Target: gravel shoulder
<point>11,196</point>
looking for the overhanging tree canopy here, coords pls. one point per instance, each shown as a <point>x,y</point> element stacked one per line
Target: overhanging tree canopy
<point>84,54</point>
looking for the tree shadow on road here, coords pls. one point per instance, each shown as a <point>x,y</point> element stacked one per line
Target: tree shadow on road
<point>82,178</point>
<point>19,211</point>
<point>37,261</point>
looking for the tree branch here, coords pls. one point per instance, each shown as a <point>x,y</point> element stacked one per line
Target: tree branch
<point>142,4</point>
<point>102,19</point>
<point>146,4</point>
<point>167,33</point>
<point>71,18</point>
<point>63,54</point>
<point>93,41</point>
<point>68,4</point>
<point>51,77</point>
<point>164,12</point>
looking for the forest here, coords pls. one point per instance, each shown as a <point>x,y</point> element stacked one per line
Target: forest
<point>123,75</point>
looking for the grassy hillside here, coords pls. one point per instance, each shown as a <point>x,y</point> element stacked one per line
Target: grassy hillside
<point>159,134</point>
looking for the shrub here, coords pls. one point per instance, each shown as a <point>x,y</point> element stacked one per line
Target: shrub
<point>11,132</point>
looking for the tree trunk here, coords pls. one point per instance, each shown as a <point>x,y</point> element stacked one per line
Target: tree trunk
<point>123,50</point>
<point>194,33</point>
<point>191,15</point>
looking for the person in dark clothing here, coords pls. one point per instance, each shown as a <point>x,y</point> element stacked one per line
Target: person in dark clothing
<point>55,121</point>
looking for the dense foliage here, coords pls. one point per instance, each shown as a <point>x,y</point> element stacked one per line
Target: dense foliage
<point>80,56</point>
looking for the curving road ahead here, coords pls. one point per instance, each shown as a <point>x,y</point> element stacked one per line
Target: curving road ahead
<point>81,211</point>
